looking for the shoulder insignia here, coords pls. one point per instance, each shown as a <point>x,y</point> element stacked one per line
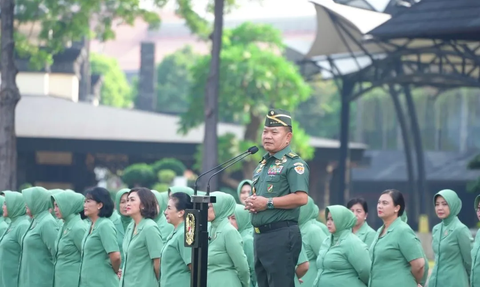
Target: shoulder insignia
<point>292,155</point>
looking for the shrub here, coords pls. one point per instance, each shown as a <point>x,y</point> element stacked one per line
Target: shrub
<point>140,174</point>
<point>169,163</point>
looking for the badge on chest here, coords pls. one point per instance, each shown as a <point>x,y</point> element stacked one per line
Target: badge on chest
<point>275,169</point>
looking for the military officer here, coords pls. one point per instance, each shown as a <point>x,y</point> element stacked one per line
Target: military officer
<point>279,188</point>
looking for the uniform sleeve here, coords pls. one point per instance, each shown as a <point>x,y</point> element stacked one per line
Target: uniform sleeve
<point>465,244</point>
<point>78,234</point>
<point>298,176</point>
<point>153,242</point>
<point>108,237</point>
<point>425,271</point>
<point>49,236</point>
<point>359,258</point>
<point>302,258</point>
<point>409,245</point>
<point>185,252</point>
<point>233,241</point>
<point>248,249</point>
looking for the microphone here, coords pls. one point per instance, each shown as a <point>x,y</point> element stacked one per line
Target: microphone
<point>250,150</point>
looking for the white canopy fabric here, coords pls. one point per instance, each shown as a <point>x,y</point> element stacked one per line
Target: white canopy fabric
<point>331,39</point>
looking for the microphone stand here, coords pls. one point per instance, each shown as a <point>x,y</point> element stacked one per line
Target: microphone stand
<point>196,220</point>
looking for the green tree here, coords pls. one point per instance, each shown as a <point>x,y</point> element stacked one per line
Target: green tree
<point>115,91</point>
<point>174,80</point>
<point>139,174</point>
<point>55,24</point>
<point>320,114</point>
<point>254,76</point>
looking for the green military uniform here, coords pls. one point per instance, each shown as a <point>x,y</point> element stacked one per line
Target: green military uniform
<point>69,239</point>
<point>227,263</point>
<point>475,273</point>
<point>312,238</point>
<point>278,175</point>
<point>366,234</point>
<point>96,268</point>
<point>245,228</point>
<point>141,248</point>
<point>452,247</point>
<point>175,260</point>
<point>391,255</point>
<point>426,267</point>
<point>38,244</point>
<point>11,240</point>
<point>343,258</point>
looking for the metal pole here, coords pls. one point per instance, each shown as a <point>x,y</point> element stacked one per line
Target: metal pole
<point>412,189</point>
<point>347,88</point>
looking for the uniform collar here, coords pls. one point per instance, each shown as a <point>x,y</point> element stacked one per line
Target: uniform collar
<point>394,224</point>
<point>280,154</point>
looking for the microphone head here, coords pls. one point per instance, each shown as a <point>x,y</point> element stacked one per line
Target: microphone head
<point>253,150</point>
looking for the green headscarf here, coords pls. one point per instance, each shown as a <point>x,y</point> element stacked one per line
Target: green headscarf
<point>477,200</point>
<point>239,188</point>
<point>306,212</point>
<point>162,200</point>
<point>243,218</point>
<point>69,203</point>
<point>343,218</point>
<point>453,201</point>
<point>15,204</point>
<point>224,207</point>
<point>125,219</point>
<point>38,199</point>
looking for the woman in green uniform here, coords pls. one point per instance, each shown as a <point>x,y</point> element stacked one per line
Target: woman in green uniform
<point>176,263</point>
<point>451,243</point>
<point>121,207</point>
<point>67,206</point>
<point>227,264</point>
<point>360,208</point>
<point>164,227</point>
<point>52,212</point>
<point>141,243</point>
<point>475,273</point>
<point>396,253</point>
<point>343,259</point>
<point>312,238</point>
<point>3,222</point>
<point>38,244</point>
<point>11,240</point>
<point>244,190</point>
<point>242,221</point>
<point>121,220</point>
<point>100,252</point>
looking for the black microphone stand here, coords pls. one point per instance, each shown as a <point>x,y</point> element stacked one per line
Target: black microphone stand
<point>196,220</point>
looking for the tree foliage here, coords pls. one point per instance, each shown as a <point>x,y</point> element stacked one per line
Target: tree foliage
<point>174,80</point>
<point>54,24</point>
<point>115,91</point>
<point>254,76</point>
<point>474,186</point>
